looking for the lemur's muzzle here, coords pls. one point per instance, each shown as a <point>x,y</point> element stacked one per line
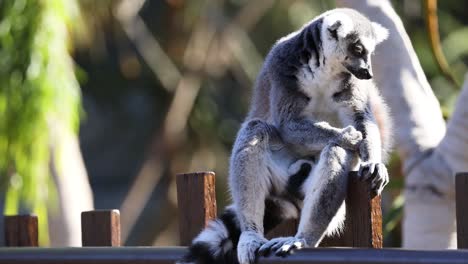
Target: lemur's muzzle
<point>364,74</point>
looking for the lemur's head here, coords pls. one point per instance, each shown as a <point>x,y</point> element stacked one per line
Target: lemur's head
<point>349,39</point>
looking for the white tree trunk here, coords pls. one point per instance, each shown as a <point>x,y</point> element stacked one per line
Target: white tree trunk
<point>429,221</point>
<point>74,193</point>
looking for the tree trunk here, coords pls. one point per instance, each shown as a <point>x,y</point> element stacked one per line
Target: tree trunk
<point>430,156</point>
<point>74,193</point>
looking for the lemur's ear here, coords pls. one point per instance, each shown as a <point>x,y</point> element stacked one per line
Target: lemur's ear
<point>338,25</point>
<point>381,33</point>
<point>333,29</point>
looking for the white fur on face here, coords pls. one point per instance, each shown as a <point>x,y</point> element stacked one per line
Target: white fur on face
<point>368,43</point>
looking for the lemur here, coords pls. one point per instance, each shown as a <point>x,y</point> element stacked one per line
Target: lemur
<point>315,116</point>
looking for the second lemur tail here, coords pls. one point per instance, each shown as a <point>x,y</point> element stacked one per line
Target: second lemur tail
<point>217,243</point>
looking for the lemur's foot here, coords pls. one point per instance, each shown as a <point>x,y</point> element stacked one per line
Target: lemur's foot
<point>376,173</point>
<point>282,246</point>
<point>249,244</point>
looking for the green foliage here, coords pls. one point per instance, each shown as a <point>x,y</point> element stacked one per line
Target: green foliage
<point>38,89</point>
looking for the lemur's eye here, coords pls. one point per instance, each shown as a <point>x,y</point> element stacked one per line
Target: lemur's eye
<point>357,49</point>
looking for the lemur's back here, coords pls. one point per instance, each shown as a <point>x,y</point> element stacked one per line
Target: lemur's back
<point>260,102</point>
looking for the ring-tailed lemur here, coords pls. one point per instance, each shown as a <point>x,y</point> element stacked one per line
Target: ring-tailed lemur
<point>314,116</point>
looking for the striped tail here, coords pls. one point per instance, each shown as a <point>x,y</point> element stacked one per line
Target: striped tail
<point>217,243</point>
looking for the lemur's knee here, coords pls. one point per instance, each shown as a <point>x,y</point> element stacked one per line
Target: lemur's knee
<point>334,156</point>
<point>334,151</point>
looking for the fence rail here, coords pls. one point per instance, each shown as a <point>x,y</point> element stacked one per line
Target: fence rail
<point>101,233</point>
<point>148,255</point>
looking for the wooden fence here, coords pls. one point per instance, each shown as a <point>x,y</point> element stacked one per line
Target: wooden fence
<point>197,205</point>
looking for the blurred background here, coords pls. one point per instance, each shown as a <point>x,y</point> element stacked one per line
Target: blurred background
<point>152,88</point>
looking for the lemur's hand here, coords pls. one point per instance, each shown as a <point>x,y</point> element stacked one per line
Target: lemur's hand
<point>282,246</point>
<point>376,174</point>
<point>248,246</point>
<point>349,138</point>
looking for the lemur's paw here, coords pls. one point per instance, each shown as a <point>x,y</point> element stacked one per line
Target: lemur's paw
<point>350,138</point>
<point>282,246</point>
<point>376,173</point>
<point>249,243</point>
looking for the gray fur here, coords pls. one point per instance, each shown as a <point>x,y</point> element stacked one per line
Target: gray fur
<point>312,98</point>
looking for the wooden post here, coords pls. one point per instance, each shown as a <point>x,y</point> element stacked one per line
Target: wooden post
<point>363,225</point>
<point>21,231</point>
<point>197,203</point>
<point>100,228</point>
<point>461,189</point>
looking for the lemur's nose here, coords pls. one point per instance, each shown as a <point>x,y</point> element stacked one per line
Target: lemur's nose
<point>364,74</point>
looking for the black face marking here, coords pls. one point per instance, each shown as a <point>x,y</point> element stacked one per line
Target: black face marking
<point>352,37</point>
<point>357,49</point>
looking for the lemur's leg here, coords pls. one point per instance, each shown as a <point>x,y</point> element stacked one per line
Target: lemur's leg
<point>324,193</point>
<point>251,181</point>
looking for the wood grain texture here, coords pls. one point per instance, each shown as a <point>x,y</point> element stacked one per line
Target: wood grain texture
<point>363,224</point>
<point>100,228</point>
<point>196,198</point>
<point>21,231</point>
<point>461,189</point>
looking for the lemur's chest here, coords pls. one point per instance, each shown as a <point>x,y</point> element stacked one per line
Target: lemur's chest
<point>321,105</point>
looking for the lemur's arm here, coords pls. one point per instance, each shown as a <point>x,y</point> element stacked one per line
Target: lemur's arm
<point>370,149</point>
<point>304,135</point>
<point>357,109</point>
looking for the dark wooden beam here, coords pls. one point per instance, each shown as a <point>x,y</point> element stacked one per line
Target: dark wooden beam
<point>461,188</point>
<point>370,256</point>
<point>151,255</point>
<point>21,231</point>
<point>363,225</point>
<point>100,228</point>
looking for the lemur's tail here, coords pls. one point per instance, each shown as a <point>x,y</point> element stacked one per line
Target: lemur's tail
<point>217,243</point>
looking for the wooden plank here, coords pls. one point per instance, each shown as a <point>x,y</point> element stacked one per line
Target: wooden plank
<point>21,231</point>
<point>461,189</point>
<point>100,228</point>
<point>151,255</point>
<point>363,224</point>
<point>196,200</point>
